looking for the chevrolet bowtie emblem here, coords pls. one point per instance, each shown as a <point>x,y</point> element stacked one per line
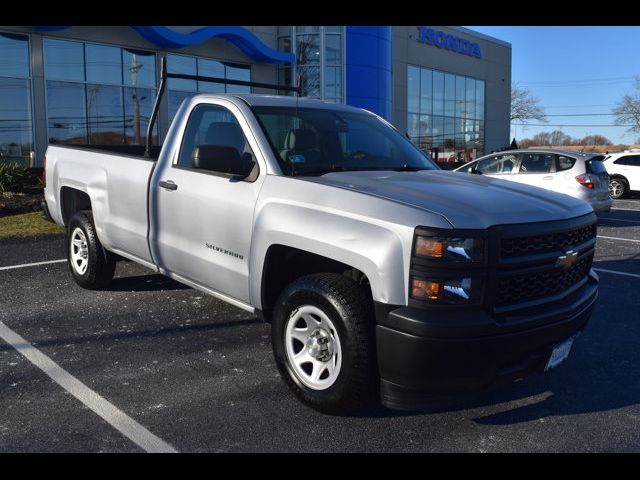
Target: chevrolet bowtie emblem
<point>567,259</point>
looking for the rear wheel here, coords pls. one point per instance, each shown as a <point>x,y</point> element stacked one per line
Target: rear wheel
<point>323,342</point>
<point>91,266</point>
<point>618,187</point>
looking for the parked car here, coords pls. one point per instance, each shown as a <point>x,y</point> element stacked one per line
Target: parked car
<point>381,275</point>
<point>578,174</point>
<point>624,172</point>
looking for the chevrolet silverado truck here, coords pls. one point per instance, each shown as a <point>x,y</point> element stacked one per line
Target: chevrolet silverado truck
<point>384,278</point>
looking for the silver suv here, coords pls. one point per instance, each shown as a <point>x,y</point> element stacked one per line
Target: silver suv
<point>579,174</point>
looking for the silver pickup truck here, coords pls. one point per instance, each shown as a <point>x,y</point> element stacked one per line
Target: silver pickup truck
<point>383,277</point>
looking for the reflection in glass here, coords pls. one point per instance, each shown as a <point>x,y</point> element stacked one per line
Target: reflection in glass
<point>438,93</point>
<point>449,94</point>
<point>460,96</point>
<point>210,68</point>
<point>308,49</point>
<point>448,106</point>
<point>480,99</point>
<point>333,82</point>
<point>66,112</point>
<point>63,60</point>
<point>238,72</point>
<point>104,64</point>
<point>105,116</point>
<point>139,68</point>
<point>16,139</point>
<point>426,93</point>
<point>14,55</point>
<point>413,85</point>
<point>470,98</point>
<point>310,81</point>
<point>182,64</point>
<point>138,103</point>
<point>333,49</point>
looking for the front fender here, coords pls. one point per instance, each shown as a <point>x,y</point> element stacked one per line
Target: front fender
<point>376,251</point>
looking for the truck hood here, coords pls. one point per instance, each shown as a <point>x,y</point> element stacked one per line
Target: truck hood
<point>464,200</point>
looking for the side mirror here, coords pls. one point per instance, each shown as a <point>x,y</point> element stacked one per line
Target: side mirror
<point>223,159</point>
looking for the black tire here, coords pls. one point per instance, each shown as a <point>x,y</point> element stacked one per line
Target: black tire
<point>101,264</point>
<point>350,309</point>
<point>618,187</point>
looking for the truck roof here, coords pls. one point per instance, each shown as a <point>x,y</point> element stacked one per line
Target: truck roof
<point>254,99</point>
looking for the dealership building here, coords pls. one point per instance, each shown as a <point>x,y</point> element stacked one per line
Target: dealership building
<point>447,88</point>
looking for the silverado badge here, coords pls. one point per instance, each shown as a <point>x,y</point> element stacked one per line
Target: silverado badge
<point>567,259</point>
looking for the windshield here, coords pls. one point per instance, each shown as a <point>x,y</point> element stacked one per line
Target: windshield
<point>312,141</point>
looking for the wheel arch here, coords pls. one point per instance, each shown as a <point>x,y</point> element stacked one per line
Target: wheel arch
<point>299,263</point>
<point>72,201</point>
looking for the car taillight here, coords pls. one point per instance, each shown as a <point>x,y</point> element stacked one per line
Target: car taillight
<point>585,180</point>
<point>44,171</point>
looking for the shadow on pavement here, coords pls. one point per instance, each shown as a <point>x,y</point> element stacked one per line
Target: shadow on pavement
<point>144,283</point>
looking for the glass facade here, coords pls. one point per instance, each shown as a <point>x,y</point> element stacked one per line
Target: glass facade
<point>179,88</point>
<point>445,115</point>
<point>16,130</point>
<point>98,94</point>
<point>319,60</point>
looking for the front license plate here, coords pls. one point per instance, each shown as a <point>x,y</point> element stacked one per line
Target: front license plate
<point>559,354</point>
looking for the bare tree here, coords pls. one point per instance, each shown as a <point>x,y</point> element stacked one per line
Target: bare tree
<point>524,106</point>
<point>627,110</point>
<point>594,140</point>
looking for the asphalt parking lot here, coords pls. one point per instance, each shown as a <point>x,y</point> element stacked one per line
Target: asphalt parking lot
<point>198,374</point>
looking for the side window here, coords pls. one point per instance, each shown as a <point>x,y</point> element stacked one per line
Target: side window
<point>565,163</point>
<point>537,163</point>
<point>211,125</point>
<point>623,161</point>
<point>498,164</point>
<point>634,161</point>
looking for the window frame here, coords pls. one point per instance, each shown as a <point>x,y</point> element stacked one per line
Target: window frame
<point>183,131</point>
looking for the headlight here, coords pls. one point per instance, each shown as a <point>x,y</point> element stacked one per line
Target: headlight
<point>454,249</point>
<point>445,291</point>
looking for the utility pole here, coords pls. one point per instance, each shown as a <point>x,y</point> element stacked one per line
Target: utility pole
<point>135,67</point>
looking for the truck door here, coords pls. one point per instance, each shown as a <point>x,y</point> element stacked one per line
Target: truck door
<point>201,220</point>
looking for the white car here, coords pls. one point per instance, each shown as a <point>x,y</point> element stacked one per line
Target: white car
<point>578,174</point>
<point>624,172</point>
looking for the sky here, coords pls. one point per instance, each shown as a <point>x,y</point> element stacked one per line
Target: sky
<point>574,70</point>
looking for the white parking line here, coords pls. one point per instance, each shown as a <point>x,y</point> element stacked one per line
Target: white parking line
<point>110,413</point>
<point>618,238</point>
<point>11,267</point>
<point>617,273</point>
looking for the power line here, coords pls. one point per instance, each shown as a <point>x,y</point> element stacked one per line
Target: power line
<point>566,125</point>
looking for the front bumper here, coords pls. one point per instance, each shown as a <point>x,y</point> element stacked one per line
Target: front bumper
<point>426,354</point>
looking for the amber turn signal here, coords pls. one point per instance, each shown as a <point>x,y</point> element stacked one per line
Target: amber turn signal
<point>426,289</point>
<point>430,247</point>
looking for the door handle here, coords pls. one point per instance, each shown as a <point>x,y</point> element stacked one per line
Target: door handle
<point>548,178</point>
<point>169,185</point>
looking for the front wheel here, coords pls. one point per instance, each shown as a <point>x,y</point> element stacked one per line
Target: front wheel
<point>323,343</point>
<point>91,266</point>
